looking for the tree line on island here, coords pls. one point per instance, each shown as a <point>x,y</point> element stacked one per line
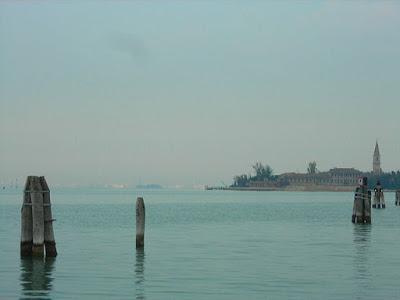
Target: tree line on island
<point>264,172</point>
<point>261,173</point>
<point>389,180</point>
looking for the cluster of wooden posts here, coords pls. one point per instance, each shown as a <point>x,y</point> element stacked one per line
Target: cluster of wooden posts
<point>37,235</point>
<point>362,201</point>
<point>379,197</point>
<point>36,219</point>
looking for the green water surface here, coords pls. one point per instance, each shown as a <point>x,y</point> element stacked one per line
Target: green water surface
<point>205,245</point>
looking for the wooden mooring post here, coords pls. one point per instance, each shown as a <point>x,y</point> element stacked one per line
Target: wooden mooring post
<point>397,202</point>
<point>140,222</point>
<point>362,203</point>
<point>49,240</point>
<point>379,197</point>
<point>36,219</point>
<point>26,221</point>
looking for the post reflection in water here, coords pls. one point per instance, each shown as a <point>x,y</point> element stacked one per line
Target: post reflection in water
<point>36,277</point>
<point>362,242</point>
<point>139,274</point>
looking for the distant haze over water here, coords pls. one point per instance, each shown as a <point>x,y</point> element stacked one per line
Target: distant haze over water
<point>192,93</point>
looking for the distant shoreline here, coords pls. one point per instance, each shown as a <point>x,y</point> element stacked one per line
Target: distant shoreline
<point>290,189</point>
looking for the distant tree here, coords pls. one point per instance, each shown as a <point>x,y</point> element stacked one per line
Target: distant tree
<point>262,172</point>
<point>258,170</point>
<point>268,172</point>
<point>240,180</point>
<point>312,168</point>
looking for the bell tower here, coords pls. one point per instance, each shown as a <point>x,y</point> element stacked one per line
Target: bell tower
<point>376,161</point>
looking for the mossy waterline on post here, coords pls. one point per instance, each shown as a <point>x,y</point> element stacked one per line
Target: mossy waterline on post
<point>140,222</point>
<point>36,219</point>
<point>362,203</point>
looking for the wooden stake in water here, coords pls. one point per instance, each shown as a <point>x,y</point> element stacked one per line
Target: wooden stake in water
<point>362,203</point>
<point>383,204</point>
<point>37,217</point>
<point>367,207</point>
<point>26,221</point>
<point>397,198</point>
<point>49,240</point>
<point>140,221</point>
<point>379,197</point>
<point>357,216</point>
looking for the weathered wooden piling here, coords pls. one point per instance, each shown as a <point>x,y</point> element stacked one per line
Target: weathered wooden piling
<point>37,217</point>
<point>26,221</point>
<point>397,202</point>
<point>140,222</point>
<point>379,197</point>
<point>49,240</point>
<point>362,203</point>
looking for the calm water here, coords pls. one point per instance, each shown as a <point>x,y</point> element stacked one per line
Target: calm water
<point>205,245</point>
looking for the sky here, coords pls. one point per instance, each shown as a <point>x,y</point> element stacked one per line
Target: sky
<point>194,92</point>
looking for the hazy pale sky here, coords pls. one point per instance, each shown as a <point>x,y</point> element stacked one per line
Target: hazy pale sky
<point>194,92</point>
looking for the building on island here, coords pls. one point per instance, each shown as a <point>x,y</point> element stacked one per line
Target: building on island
<point>335,176</point>
<point>336,179</point>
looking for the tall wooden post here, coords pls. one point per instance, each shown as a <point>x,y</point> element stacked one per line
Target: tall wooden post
<point>383,204</point>
<point>26,221</point>
<point>49,240</point>
<point>397,198</point>
<point>362,203</point>
<point>379,197</point>
<point>367,207</point>
<point>140,222</point>
<point>357,216</point>
<point>37,217</point>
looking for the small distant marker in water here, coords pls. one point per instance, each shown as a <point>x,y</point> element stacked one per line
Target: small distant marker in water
<point>140,222</point>
<point>36,220</point>
<point>397,202</point>
<point>362,203</point>
<point>379,197</point>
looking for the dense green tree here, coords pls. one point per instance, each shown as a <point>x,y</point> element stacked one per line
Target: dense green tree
<point>262,172</point>
<point>240,180</point>
<point>312,168</point>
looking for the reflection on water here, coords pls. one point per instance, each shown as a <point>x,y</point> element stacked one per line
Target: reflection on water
<point>362,243</point>
<point>36,277</point>
<point>139,274</point>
